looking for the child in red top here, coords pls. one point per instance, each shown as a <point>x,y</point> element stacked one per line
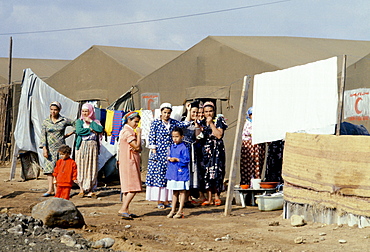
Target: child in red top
<point>65,173</point>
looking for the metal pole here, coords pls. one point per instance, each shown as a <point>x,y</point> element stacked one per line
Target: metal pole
<point>341,95</point>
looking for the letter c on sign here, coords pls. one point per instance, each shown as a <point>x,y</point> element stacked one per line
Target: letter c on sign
<point>356,105</point>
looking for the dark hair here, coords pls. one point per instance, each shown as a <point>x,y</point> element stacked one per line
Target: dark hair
<point>65,149</point>
<point>166,108</point>
<point>178,129</point>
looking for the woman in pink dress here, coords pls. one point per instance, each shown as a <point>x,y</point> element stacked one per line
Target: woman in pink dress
<point>129,148</point>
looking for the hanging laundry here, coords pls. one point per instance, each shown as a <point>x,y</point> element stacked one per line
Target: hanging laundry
<point>103,116</point>
<point>109,122</point>
<point>117,124</point>
<point>146,120</point>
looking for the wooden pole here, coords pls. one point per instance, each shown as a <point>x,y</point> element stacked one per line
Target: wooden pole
<point>341,94</point>
<point>10,60</point>
<point>235,159</point>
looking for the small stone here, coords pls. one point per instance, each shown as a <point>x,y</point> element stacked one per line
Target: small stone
<point>322,239</point>
<point>242,215</point>
<point>316,240</point>
<point>16,230</point>
<point>68,240</point>
<point>4,210</point>
<point>218,239</point>
<point>366,237</point>
<point>322,234</point>
<point>26,241</point>
<point>192,243</point>
<point>274,223</point>
<point>297,221</point>
<point>342,241</point>
<point>298,240</point>
<point>32,244</point>
<point>127,226</point>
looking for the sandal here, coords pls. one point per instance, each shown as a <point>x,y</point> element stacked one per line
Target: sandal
<point>81,195</point>
<point>206,203</point>
<point>170,215</point>
<point>178,216</point>
<point>161,206</point>
<point>125,216</point>
<point>218,202</point>
<point>92,195</point>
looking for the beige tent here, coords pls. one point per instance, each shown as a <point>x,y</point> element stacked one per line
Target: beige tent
<point>43,67</point>
<point>104,73</point>
<point>214,68</point>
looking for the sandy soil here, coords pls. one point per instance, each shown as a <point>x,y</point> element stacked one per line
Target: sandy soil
<point>248,228</point>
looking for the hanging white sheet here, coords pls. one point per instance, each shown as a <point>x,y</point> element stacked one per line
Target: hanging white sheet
<point>35,99</point>
<point>298,99</point>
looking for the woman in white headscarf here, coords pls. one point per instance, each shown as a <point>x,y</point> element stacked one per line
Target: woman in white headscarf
<point>159,141</point>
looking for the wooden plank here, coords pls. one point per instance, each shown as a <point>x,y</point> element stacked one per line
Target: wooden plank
<point>341,94</point>
<point>235,159</point>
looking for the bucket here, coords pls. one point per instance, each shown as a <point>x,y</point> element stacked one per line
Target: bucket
<point>256,183</point>
<point>270,202</point>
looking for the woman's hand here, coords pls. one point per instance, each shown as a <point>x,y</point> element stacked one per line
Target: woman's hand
<point>209,120</point>
<point>138,131</point>
<point>87,119</point>
<point>45,152</point>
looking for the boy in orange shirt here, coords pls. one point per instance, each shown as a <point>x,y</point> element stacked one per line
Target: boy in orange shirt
<point>65,173</point>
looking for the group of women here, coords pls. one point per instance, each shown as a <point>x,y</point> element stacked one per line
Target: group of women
<point>203,138</point>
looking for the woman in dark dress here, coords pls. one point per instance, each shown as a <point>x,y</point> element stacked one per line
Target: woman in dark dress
<point>213,154</point>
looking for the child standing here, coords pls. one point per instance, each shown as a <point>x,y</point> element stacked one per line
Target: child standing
<point>178,172</point>
<point>65,173</point>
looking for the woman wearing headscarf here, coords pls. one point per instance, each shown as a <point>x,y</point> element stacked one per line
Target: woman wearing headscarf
<point>129,148</point>
<point>87,150</point>
<point>252,156</point>
<point>159,142</point>
<point>213,154</point>
<point>52,137</point>
<point>190,134</point>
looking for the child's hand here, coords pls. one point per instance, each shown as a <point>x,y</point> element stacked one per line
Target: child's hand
<point>54,181</point>
<point>172,159</point>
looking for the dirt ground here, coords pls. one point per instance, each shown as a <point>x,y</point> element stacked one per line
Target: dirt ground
<point>247,228</point>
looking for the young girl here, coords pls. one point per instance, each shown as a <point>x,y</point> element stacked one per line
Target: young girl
<point>129,161</point>
<point>178,172</point>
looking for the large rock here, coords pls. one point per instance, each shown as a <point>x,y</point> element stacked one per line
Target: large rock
<point>56,212</point>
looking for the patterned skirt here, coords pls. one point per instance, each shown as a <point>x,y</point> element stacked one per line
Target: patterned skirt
<point>251,161</point>
<point>87,165</point>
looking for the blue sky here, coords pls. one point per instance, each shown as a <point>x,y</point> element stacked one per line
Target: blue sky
<point>337,19</point>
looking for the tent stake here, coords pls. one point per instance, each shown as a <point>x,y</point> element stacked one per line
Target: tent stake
<point>235,159</point>
<point>341,94</point>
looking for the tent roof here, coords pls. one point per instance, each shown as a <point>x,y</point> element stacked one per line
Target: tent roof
<point>105,72</point>
<point>141,61</point>
<point>43,67</point>
<point>285,52</point>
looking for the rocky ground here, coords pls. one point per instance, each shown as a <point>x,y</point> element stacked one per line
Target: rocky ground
<point>202,229</point>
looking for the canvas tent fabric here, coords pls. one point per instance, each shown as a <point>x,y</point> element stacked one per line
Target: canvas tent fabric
<point>106,72</point>
<point>218,61</point>
<point>43,67</point>
<point>297,99</point>
<point>34,105</point>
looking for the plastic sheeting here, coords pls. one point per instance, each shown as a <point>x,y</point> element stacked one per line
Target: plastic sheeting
<point>36,97</point>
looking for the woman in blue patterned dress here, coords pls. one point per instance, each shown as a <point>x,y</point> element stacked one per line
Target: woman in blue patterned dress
<point>213,154</point>
<point>52,137</point>
<point>159,143</point>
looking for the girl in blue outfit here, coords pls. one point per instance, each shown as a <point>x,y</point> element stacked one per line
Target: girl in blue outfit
<point>177,174</point>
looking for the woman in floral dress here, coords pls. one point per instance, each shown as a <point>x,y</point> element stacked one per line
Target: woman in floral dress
<point>159,143</point>
<point>252,156</point>
<point>213,154</point>
<point>52,137</point>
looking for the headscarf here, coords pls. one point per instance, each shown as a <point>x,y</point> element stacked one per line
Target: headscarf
<point>165,105</point>
<point>57,104</point>
<point>209,104</point>
<point>91,111</point>
<point>130,115</point>
<point>249,112</point>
